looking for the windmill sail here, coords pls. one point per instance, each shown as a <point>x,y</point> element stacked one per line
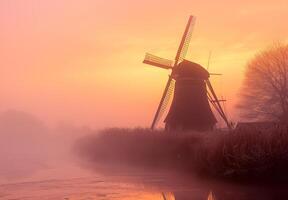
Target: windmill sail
<point>168,92</point>
<point>185,41</point>
<point>190,108</point>
<point>157,61</point>
<point>164,63</point>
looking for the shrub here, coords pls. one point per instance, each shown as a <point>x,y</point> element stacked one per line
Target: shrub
<point>238,154</point>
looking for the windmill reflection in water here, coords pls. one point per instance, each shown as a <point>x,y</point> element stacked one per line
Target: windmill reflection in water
<point>171,196</point>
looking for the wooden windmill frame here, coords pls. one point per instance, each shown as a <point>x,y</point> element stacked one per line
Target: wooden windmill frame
<point>169,64</point>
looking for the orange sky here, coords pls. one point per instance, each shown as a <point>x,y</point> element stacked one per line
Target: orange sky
<point>81,61</point>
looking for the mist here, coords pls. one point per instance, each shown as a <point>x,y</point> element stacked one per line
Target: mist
<point>28,146</point>
<point>70,70</point>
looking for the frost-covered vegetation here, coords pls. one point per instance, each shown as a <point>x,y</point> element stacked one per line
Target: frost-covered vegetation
<point>239,154</point>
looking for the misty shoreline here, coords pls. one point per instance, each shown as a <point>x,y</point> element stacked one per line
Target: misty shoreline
<point>240,155</point>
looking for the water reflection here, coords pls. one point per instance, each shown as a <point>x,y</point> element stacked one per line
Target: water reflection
<point>137,186</point>
<point>187,196</point>
<point>236,193</point>
<point>211,196</point>
<point>168,196</point>
<point>187,187</point>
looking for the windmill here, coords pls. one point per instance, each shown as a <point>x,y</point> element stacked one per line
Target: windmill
<point>189,81</point>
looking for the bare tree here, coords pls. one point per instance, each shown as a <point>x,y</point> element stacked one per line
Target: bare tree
<point>265,89</point>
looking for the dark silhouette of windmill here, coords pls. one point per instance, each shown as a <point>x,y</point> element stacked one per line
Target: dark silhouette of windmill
<point>190,109</point>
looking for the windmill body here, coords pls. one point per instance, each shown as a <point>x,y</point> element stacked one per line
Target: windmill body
<point>190,109</point>
<point>193,94</point>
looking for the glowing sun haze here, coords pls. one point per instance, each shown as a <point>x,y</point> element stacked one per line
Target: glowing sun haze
<point>81,61</point>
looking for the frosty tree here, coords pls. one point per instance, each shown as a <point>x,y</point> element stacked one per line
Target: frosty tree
<point>265,89</point>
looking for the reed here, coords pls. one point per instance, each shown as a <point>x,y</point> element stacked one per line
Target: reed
<point>238,154</point>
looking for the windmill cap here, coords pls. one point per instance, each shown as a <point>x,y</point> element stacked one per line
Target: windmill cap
<point>188,69</point>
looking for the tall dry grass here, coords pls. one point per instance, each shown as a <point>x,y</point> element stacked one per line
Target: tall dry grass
<point>239,154</point>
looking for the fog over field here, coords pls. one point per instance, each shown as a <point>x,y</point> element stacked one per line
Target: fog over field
<point>110,99</point>
<point>28,146</point>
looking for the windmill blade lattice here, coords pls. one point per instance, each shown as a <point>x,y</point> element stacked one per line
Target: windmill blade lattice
<point>168,93</point>
<point>184,45</point>
<point>157,61</point>
<point>180,66</point>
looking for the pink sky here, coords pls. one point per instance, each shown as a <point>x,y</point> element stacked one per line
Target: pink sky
<point>81,61</point>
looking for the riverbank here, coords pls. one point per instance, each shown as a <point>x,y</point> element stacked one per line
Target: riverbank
<point>236,155</point>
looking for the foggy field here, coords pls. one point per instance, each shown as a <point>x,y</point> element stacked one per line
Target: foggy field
<point>238,155</point>
<point>28,146</point>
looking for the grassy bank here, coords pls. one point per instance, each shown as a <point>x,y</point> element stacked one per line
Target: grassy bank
<point>239,154</point>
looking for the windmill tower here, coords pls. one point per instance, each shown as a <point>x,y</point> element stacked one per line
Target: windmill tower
<point>190,108</point>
